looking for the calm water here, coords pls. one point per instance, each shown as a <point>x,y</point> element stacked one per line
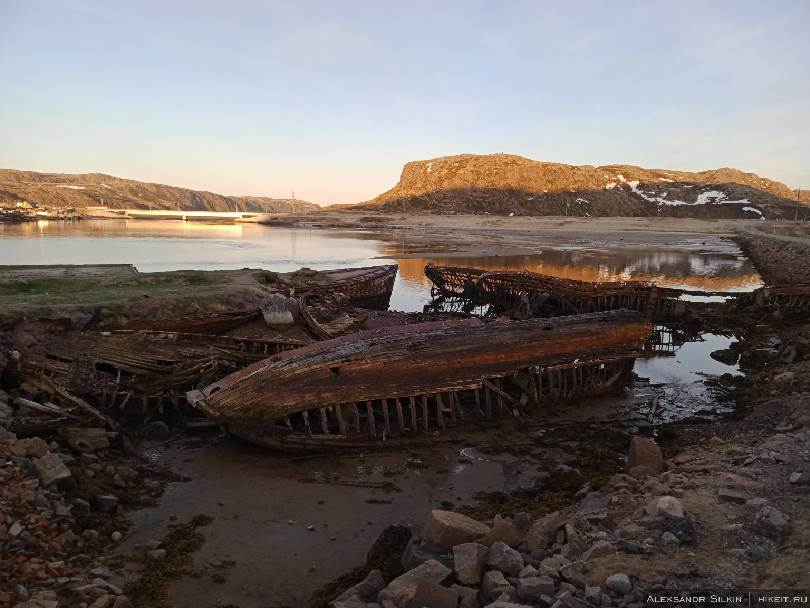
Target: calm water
<point>171,245</point>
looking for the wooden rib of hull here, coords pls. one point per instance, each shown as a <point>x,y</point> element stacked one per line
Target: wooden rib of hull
<point>398,381</point>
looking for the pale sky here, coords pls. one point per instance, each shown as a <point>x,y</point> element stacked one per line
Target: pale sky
<point>332,98</point>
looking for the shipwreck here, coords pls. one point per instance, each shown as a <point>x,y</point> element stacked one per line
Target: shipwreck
<point>384,385</point>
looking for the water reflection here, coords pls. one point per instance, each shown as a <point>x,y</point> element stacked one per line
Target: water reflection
<point>154,245</point>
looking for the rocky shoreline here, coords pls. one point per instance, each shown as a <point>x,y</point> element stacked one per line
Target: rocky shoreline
<point>714,506</point>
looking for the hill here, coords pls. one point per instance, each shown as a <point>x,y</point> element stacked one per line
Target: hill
<point>507,184</point>
<point>96,189</point>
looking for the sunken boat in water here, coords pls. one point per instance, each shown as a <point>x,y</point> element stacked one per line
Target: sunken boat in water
<point>389,384</point>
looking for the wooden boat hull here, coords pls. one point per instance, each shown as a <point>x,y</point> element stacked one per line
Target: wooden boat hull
<point>394,382</point>
<point>367,287</point>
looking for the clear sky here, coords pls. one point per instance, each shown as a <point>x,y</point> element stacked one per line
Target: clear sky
<point>332,98</point>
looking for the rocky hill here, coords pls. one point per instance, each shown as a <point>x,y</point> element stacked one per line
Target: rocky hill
<point>507,184</point>
<point>97,189</point>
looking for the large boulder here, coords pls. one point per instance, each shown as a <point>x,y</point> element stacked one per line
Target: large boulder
<point>367,589</point>
<point>645,453</point>
<point>446,529</point>
<point>402,589</point>
<point>469,560</point>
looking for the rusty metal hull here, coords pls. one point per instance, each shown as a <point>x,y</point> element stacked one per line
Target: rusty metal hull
<point>424,377</point>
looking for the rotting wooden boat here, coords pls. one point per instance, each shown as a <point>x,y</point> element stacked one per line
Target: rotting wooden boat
<point>372,387</point>
<point>366,287</point>
<point>534,294</point>
<point>328,315</point>
<point>141,372</point>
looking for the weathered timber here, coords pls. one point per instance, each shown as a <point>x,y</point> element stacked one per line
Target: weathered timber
<point>366,287</point>
<point>531,294</point>
<point>442,363</point>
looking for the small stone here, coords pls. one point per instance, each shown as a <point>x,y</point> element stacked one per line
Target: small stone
<point>670,507</point>
<point>800,479</point>
<point>433,595</point>
<point>730,495</point>
<point>106,503</point>
<point>469,560</point>
<point>156,555</point>
<point>468,596</point>
<point>543,532</point>
<point>445,529</point>
<point>600,548</point>
<point>503,530</point>
<point>402,589</point>
<point>532,588</point>
<point>493,585</point>
<point>593,595</point>
<point>784,378</point>
<point>116,536</point>
<point>619,583</point>
<point>502,557</point>
<point>645,452</point>
<point>51,469</point>
<point>771,522</point>
<point>527,572</point>
<point>311,527</point>
<point>668,539</point>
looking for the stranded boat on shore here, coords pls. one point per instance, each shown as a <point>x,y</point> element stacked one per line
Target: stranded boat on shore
<point>372,386</point>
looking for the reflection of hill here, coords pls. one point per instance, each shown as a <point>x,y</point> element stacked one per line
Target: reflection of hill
<point>728,278</point>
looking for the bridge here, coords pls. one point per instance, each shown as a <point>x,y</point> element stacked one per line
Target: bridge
<point>171,214</point>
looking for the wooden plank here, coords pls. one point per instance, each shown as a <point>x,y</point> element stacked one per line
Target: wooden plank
<point>425,413</point>
<point>400,416</point>
<point>324,422</point>
<point>341,422</point>
<point>372,426</point>
<point>439,411</point>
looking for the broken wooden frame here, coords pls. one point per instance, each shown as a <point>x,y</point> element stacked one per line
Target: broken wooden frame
<point>377,385</point>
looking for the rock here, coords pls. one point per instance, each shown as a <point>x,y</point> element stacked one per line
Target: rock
<point>594,506</point>
<point>418,552</point>
<point>600,548</point>
<point>157,430</point>
<point>468,562</point>
<point>106,503</point>
<point>467,596</point>
<point>503,530</point>
<point>122,602</point>
<point>367,589</point>
<point>593,595</point>
<point>116,536</point>
<point>528,571</point>
<point>433,595</point>
<point>566,478</point>
<point>36,447</point>
<point>730,495</point>
<point>670,507</point>
<point>493,584</point>
<point>784,378</point>
<point>51,469</point>
<point>725,355</point>
<point>543,532</point>
<point>446,529</point>
<point>402,589</point>
<point>156,555</point>
<point>532,588</point>
<point>276,310</point>
<point>800,479</point>
<point>668,539</point>
<point>567,599</point>
<point>645,452</point>
<point>502,557</point>
<point>572,573</point>
<point>619,583</point>
<point>771,522</point>
<point>505,604</point>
